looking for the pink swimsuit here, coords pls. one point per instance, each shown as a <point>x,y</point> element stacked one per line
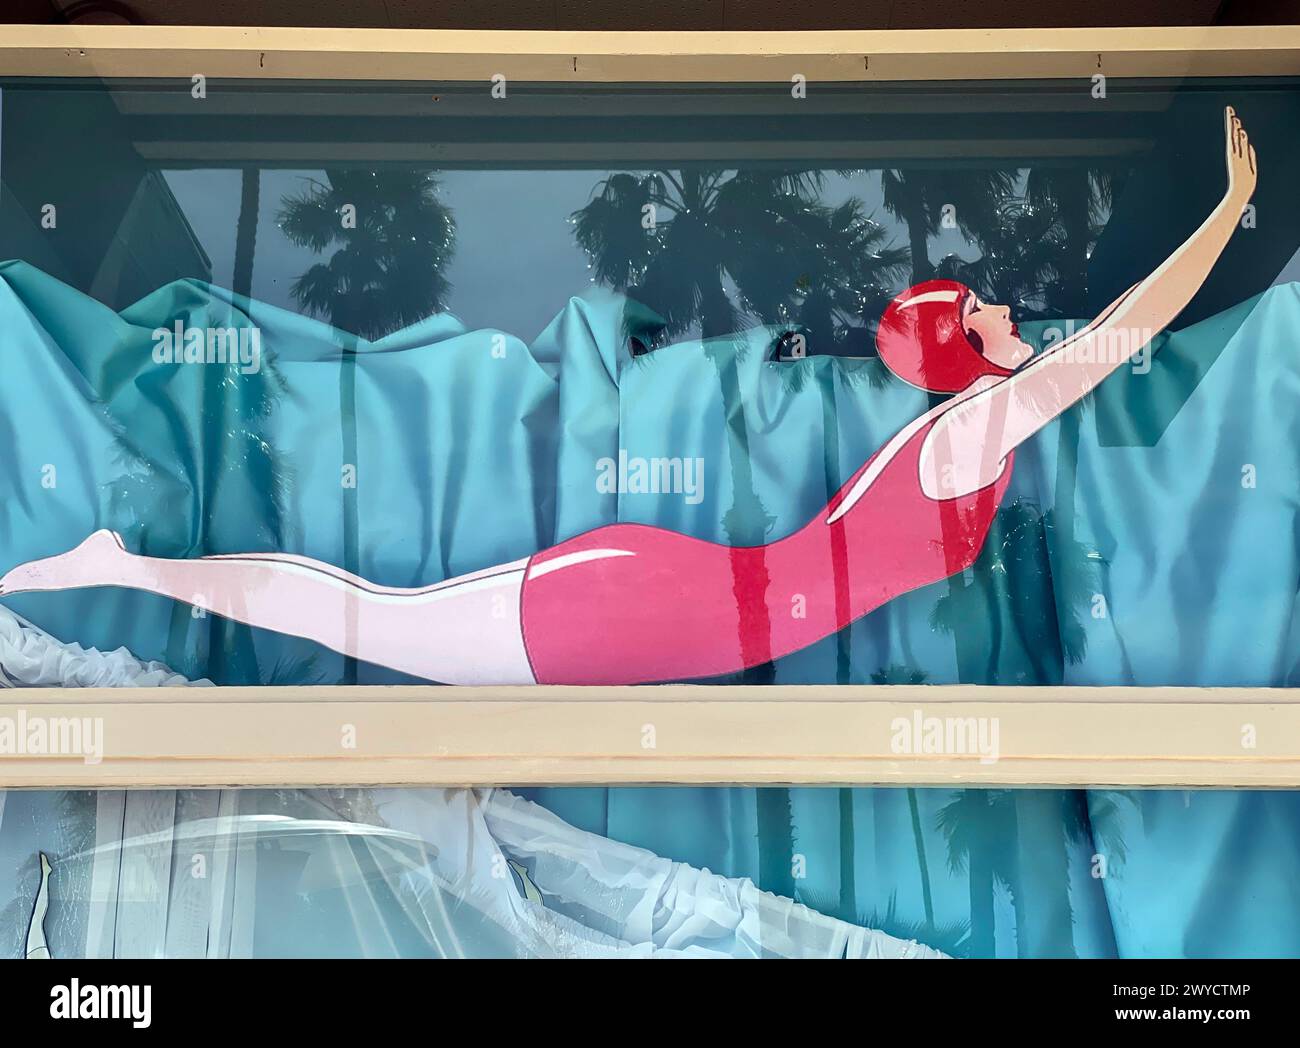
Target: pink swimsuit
<point>630,603</point>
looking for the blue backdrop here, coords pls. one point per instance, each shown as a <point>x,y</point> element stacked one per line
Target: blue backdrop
<point>1150,537</point>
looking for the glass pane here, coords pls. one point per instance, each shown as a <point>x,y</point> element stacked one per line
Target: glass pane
<point>441,333</point>
<point>415,332</point>
<point>626,872</point>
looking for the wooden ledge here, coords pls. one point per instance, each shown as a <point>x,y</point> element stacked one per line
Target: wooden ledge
<point>689,734</point>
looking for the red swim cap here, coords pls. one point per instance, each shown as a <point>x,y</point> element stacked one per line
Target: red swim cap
<point>922,341</point>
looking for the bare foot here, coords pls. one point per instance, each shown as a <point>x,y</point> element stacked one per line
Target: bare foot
<point>93,563</point>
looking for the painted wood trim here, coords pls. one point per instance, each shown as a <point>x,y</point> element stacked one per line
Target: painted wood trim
<point>647,57</point>
<point>441,736</point>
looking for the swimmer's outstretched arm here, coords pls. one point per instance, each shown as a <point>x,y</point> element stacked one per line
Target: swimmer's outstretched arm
<point>965,452</point>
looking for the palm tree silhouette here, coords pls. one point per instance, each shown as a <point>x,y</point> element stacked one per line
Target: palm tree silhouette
<point>979,827</point>
<point>926,199</point>
<point>988,833</point>
<point>676,240</point>
<point>906,675</point>
<point>830,280</point>
<point>1034,248</point>
<point>390,239</point>
<point>1020,603</point>
<point>951,938</point>
<point>1079,200</point>
<point>230,644</point>
<point>1019,259</point>
<point>1027,586</point>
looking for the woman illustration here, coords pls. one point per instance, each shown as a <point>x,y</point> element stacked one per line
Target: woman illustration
<point>629,603</point>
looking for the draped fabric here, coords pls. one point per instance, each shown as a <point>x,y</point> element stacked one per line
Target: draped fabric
<point>30,658</point>
<point>373,873</point>
<point>1149,537</point>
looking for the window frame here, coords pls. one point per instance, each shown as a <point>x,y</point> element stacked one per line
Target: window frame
<point>698,734</point>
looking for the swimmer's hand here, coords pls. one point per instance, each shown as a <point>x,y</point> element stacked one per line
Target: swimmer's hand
<point>1242,168</point>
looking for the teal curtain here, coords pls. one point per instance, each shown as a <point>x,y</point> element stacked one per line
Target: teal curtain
<point>1150,537</point>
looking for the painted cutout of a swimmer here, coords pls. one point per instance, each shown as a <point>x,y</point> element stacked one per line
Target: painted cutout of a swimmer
<point>630,603</point>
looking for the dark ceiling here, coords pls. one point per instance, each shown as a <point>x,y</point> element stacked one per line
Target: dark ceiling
<point>660,14</point>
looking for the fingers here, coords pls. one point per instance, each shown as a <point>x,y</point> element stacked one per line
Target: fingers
<point>1238,139</point>
<point>1236,134</point>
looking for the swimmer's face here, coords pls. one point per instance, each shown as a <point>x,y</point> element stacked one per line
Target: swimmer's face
<point>991,331</point>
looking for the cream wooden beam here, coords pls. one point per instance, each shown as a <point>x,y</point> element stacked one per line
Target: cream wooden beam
<point>562,57</point>
<point>824,735</point>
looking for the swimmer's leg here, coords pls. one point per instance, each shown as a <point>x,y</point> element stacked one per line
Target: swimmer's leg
<point>463,631</point>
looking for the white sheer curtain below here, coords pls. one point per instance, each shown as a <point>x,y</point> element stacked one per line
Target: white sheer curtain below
<point>376,873</point>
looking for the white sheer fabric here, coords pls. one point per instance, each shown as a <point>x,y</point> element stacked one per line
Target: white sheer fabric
<point>31,658</point>
<point>603,898</point>
<point>380,873</point>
